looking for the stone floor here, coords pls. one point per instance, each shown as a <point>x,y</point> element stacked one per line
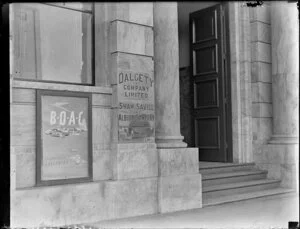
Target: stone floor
<point>266,212</point>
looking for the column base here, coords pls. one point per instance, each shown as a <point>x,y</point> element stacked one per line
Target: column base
<point>134,160</point>
<point>179,181</point>
<point>284,139</point>
<point>163,142</point>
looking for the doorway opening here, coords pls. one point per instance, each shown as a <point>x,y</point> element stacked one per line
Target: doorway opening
<point>205,98</point>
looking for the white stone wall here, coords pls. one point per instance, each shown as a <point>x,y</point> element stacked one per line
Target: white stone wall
<point>129,179</point>
<point>240,63</point>
<point>275,90</point>
<point>54,205</point>
<point>261,77</point>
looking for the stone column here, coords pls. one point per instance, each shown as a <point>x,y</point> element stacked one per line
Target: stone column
<point>166,71</point>
<point>285,72</point>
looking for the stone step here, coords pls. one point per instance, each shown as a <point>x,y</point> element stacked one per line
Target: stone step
<point>211,167</point>
<point>232,177</point>
<point>244,196</point>
<point>216,191</point>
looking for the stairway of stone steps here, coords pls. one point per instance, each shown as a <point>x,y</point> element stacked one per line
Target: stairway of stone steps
<point>229,182</point>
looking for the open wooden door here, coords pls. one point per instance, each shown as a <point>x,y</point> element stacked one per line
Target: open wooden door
<point>210,84</point>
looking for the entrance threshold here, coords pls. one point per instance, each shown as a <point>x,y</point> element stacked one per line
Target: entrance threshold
<point>211,164</point>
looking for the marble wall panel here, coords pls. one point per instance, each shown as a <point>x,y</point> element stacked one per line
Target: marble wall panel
<point>261,14</point>
<point>128,62</point>
<point>113,39</point>
<point>261,110</point>
<point>261,72</point>
<point>261,52</point>
<point>261,92</point>
<point>254,92</point>
<point>280,154</point>
<point>114,126</point>
<point>260,32</point>
<point>273,154</point>
<point>254,32</point>
<point>274,170</point>
<point>101,100</point>
<point>102,165</point>
<point>136,160</point>
<point>281,162</point>
<point>286,104</point>
<point>285,38</point>
<point>178,161</point>
<point>264,92</point>
<point>133,197</point>
<point>181,192</point>
<point>291,155</point>
<point>22,95</point>
<point>262,129</point>
<point>247,145</point>
<point>114,98</point>
<point>246,123</point>
<point>131,38</point>
<point>13,166</point>
<point>22,125</point>
<point>135,63</point>
<point>60,205</point>
<point>266,128</point>
<point>258,156</point>
<point>102,126</point>
<point>83,203</point>
<point>289,176</point>
<point>136,12</point>
<point>102,57</point>
<point>24,166</point>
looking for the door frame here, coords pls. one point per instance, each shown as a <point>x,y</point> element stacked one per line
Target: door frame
<point>239,70</point>
<point>227,65</point>
<point>240,74</point>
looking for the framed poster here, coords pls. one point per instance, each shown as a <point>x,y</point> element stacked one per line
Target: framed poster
<point>64,137</point>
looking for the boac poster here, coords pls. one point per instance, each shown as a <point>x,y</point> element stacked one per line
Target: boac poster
<point>64,128</point>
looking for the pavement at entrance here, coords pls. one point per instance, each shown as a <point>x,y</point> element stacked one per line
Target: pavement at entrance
<point>267,212</point>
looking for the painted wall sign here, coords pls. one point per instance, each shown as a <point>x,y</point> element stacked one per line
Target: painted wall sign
<point>65,133</point>
<point>136,111</point>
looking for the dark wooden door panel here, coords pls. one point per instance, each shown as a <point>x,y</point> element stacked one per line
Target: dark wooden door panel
<point>205,60</point>
<point>209,139</point>
<point>205,26</point>
<point>206,93</point>
<point>208,78</point>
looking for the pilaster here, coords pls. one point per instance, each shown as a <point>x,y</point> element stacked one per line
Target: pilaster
<point>132,80</point>
<point>285,73</point>
<point>285,90</point>
<point>240,61</point>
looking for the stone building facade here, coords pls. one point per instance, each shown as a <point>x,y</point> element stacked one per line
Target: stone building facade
<point>140,149</point>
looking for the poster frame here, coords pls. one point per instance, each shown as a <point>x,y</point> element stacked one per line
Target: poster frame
<point>39,146</point>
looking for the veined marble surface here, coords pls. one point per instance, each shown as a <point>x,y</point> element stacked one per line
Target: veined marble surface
<point>166,68</point>
<point>285,68</point>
